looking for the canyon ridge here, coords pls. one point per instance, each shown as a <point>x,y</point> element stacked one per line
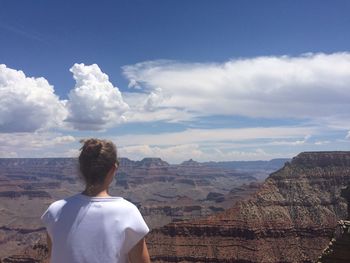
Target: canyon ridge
<point>291,218</point>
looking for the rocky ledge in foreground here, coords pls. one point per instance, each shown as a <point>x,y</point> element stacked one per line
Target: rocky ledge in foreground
<point>290,219</point>
<point>338,249</point>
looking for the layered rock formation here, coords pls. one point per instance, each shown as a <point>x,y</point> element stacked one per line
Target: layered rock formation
<point>37,253</point>
<point>290,219</point>
<point>163,192</point>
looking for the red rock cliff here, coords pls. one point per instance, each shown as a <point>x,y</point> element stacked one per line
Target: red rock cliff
<point>290,219</point>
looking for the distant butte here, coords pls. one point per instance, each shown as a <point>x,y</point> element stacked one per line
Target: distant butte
<point>151,162</point>
<point>190,162</point>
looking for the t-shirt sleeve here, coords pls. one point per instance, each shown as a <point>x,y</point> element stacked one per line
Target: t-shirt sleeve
<point>136,228</point>
<point>47,219</point>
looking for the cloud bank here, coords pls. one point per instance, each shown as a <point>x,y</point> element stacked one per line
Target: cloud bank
<point>201,136</point>
<point>37,144</point>
<point>308,86</point>
<point>183,152</point>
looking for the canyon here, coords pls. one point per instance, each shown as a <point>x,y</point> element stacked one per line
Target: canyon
<point>197,216</point>
<point>164,193</point>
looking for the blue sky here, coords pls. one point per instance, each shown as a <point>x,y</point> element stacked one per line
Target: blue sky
<point>208,80</point>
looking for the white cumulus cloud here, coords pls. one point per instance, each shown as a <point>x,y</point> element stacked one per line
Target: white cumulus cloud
<point>154,99</point>
<point>27,104</point>
<point>94,103</point>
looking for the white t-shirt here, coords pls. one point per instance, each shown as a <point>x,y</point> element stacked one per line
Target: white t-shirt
<point>87,229</point>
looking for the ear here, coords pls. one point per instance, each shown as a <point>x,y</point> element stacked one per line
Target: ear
<point>113,169</point>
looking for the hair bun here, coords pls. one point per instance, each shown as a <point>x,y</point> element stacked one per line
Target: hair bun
<point>92,148</point>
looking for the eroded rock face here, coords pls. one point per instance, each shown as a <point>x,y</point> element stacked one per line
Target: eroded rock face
<point>290,219</point>
<point>37,253</point>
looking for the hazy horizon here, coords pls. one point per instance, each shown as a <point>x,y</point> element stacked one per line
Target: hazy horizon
<point>138,160</point>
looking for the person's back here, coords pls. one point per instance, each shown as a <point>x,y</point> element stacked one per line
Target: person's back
<point>94,226</point>
<point>93,229</point>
